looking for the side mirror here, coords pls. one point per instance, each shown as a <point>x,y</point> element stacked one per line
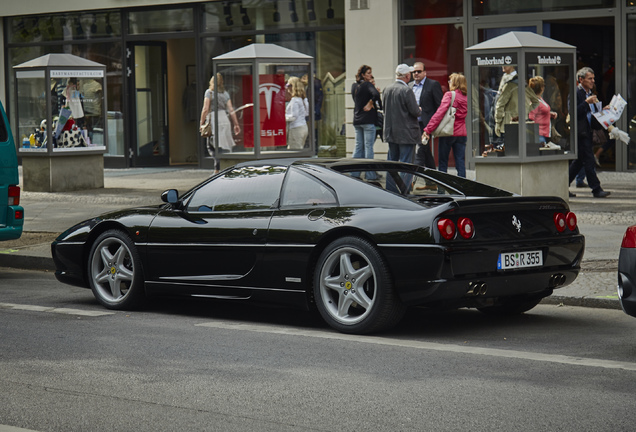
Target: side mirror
<point>171,196</point>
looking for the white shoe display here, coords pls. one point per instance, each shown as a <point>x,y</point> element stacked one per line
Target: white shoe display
<point>552,146</point>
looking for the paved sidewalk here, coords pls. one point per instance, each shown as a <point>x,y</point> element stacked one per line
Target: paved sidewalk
<point>602,221</point>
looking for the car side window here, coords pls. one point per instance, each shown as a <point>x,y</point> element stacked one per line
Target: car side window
<point>301,189</point>
<point>242,188</point>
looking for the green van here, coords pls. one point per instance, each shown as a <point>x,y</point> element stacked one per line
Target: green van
<point>11,213</point>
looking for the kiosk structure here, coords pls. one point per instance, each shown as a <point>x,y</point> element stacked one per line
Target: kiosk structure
<point>258,80</point>
<point>523,131</point>
<point>62,129</point>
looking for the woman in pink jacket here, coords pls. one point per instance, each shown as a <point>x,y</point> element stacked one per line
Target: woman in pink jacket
<point>457,142</point>
<point>541,114</point>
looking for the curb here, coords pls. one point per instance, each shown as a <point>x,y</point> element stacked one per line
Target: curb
<point>589,302</point>
<point>23,262</point>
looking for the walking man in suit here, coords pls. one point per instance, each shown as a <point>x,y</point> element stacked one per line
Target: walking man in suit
<point>586,103</point>
<point>428,94</point>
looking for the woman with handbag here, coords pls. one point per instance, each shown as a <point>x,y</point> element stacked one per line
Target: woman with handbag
<point>366,98</point>
<point>453,138</point>
<point>225,111</point>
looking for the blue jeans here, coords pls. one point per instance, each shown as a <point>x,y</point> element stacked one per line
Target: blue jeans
<point>458,145</point>
<point>365,139</point>
<point>401,152</point>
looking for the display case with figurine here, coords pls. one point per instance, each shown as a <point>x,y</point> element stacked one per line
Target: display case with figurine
<point>61,122</point>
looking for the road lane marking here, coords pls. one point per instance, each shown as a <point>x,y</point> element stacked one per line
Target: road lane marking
<point>65,311</point>
<point>432,346</point>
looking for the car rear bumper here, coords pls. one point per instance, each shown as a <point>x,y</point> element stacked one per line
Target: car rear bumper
<point>626,280</point>
<point>469,274</point>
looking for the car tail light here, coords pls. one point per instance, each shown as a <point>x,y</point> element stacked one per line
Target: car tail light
<point>446,227</point>
<point>570,220</point>
<point>465,227</point>
<point>19,214</point>
<point>559,221</point>
<point>14,195</point>
<point>629,238</point>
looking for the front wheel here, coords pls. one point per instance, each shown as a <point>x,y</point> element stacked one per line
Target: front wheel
<point>114,271</point>
<point>353,288</point>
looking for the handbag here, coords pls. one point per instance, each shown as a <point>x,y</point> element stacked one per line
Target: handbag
<point>206,129</point>
<point>446,127</point>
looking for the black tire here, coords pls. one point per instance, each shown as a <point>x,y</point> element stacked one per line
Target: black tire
<point>353,288</point>
<point>114,271</point>
<point>511,307</point>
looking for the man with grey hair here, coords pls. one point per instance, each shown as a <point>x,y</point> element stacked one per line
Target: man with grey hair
<point>401,128</point>
<point>586,104</point>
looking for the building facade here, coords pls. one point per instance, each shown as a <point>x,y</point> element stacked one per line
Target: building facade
<point>176,40</point>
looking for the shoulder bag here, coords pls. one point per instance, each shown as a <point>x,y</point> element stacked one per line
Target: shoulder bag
<point>446,127</point>
<point>206,129</point>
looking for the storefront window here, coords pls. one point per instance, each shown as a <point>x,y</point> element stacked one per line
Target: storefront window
<point>498,7</point>
<point>443,57</point>
<point>161,21</point>
<point>79,26</point>
<point>420,9</point>
<point>491,33</point>
<point>242,15</point>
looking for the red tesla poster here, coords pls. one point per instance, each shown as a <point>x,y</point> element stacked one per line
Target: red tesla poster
<point>271,92</point>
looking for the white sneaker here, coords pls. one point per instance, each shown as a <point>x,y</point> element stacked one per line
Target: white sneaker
<point>552,146</point>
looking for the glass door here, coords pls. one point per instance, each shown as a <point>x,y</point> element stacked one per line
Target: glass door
<point>148,80</point>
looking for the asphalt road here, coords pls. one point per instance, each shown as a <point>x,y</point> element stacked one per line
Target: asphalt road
<point>67,364</point>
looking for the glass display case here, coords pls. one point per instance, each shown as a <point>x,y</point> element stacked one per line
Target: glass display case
<point>520,102</point>
<point>61,105</point>
<point>519,121</point>
<point>260,104</point>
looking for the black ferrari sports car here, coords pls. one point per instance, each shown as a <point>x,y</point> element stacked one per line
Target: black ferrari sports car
<point>358,240</point>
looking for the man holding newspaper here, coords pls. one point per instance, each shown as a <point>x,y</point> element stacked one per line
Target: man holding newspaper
<point>591,115</point>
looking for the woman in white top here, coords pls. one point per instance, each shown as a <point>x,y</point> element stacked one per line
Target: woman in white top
<point>295,114</point>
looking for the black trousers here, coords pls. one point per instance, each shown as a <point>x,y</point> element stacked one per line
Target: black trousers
<point>423,154</point>
<point>586,160</point>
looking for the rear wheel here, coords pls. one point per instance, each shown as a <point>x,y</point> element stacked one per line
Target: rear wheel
<point>353,288</point>
<point>114,271</point>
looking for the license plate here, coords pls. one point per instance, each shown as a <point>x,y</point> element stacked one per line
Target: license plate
<point>515,260</point>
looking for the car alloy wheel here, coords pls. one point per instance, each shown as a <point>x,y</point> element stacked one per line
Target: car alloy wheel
<point>115,271</point>
<point>353,288</point>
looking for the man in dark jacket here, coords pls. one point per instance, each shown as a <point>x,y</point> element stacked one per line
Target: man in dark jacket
<point>586,102</point>
<point>428,94</point>
<point>401,128</point>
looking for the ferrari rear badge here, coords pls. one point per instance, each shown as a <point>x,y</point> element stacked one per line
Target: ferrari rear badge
<point>516,223</point>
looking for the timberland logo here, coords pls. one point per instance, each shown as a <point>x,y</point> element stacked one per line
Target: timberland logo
<point>493,61</point>
<point>269,89</point>
<point>550,60</point>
